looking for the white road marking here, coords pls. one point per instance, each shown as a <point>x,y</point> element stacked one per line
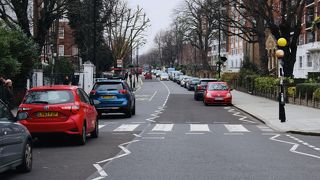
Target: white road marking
<point>126,127</point>
<point>294,147</point>
<point>150,99</point>
<point>124,149</point>
<point>100,170</point>
<point>98,178</point>
<point>169,92</point>
<point>269,134</point>
<point>163,127</point>
<point>137,135</point>
<point>101,126</point>
<point>302,142</point>
<point>138,122</point>
<point>264,128</point>
<point>199,127</point>
<point>238,114</point>
<point>236,128</point>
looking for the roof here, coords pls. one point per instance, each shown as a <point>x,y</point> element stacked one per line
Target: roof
<point>110,80</point>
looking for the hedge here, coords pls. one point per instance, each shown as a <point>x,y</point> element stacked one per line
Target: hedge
<point>265,83</point>
<point>317,94</point>
<point>308,88</point>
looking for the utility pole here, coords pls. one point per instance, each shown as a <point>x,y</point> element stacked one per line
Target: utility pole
<point>219,42</point>
<point>94,33</point>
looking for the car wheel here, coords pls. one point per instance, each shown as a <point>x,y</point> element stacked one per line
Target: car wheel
<point>95,132</point>
<point>99,115</point>
<point>128,112</point>
<point>26,165</point>
<point>83,137</point>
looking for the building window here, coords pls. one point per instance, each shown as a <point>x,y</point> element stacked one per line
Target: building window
<point>61,32</point>
<point>61,50</point>
<point>309,61</point>
<point>310,36</point>
<point>300,61</point>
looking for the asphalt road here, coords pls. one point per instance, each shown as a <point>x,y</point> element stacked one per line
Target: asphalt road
<point>174,137</point>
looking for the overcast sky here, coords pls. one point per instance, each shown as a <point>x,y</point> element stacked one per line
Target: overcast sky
<point>159,12</point>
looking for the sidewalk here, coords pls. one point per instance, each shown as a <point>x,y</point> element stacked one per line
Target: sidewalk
<point>299,119</point>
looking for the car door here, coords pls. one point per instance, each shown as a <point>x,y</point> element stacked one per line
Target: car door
<point>89,109</point>
<point>11,138</point>
<point>131,94</point>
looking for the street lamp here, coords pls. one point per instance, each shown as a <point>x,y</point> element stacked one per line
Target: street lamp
<point>280,54</point>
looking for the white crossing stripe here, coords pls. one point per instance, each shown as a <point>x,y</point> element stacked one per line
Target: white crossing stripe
<point>199,127</point>
<point>163,127</point>
<point>101,126</point>
<point>126,127</point>
<point>236,128</point>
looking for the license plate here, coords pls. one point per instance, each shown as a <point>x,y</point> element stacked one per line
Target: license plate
<point>218,98</point>
<point>47,114</point>
<point>108,97</point>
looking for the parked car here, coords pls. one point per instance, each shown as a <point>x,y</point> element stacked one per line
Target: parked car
<point>192,83</point>
<point>15,143</point>
<point>113,96</point>
<point>158,73</point>
<point>217,93</point>
<point>184,81</point>
<point>59,109</point>
<point>164,77</point>
<point>147,75</point>
<point>201,87</point>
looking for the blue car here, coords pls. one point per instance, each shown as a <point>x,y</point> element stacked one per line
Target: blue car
<point>113,96</point>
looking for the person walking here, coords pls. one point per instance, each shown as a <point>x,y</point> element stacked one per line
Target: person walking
<point>3,94</point>
<point>66,81</point>
<point>9,93</point>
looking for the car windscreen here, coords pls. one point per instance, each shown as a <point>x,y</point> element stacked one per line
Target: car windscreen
<point>49,97</point>
<point>111,86</point>
<point>195,80</point>
<point>213,87</point>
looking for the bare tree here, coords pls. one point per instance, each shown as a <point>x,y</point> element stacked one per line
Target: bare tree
<point>124,29</point>
<point>198,19</point>
<point>283,18</point>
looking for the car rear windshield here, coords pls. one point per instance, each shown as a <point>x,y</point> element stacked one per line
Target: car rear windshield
<point>49,97</point>
<point>218,87</point>
<point>114,86</point>
<point>205,82</point>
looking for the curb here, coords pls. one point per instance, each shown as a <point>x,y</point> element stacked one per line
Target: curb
<point>290,132</point>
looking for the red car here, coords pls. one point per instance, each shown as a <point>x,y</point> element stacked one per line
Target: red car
<point>147,75</point>
<point>217,93</point>
<point>59,109</point>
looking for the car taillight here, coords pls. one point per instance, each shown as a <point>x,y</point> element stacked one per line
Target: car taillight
<point>93,92</point>
<point>123,91</point>
<point>74,109</point>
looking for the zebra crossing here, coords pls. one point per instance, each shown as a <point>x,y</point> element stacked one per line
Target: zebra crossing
<point>196,128</point>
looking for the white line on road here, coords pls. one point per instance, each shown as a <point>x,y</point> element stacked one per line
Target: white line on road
<point>100,170</point>
<point>236,128</point>
<point>294,147</point>
<point>126,127</point>
<point>233,133</point>
<point>163,127</point>
<point>101,126</point>
<point>238,114</point>
<point>150,99</point>
<point>199,127</point>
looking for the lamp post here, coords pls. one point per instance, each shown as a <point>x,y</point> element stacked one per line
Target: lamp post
<point>280,54</point>
<point>219,43</point>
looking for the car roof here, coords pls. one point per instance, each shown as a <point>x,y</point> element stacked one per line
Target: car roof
<point>110,81</point>
<point>54,87</point>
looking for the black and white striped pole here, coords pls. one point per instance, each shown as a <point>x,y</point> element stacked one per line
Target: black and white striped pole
<point>280,54</point>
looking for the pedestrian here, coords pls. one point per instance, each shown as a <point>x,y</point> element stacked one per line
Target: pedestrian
<point>66,81</point>
<point>130,78</point>
<point>126,76</point>
<point>3,94</point>
<point>9,93</point>
<point>137,75</point>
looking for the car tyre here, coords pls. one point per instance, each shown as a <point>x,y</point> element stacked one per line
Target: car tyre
<point>95,132</point>
<point>128,113</point>
<point>83,137</point>
<point>26,165</point>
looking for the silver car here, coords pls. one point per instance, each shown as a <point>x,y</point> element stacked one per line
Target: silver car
<point>15,143</point>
